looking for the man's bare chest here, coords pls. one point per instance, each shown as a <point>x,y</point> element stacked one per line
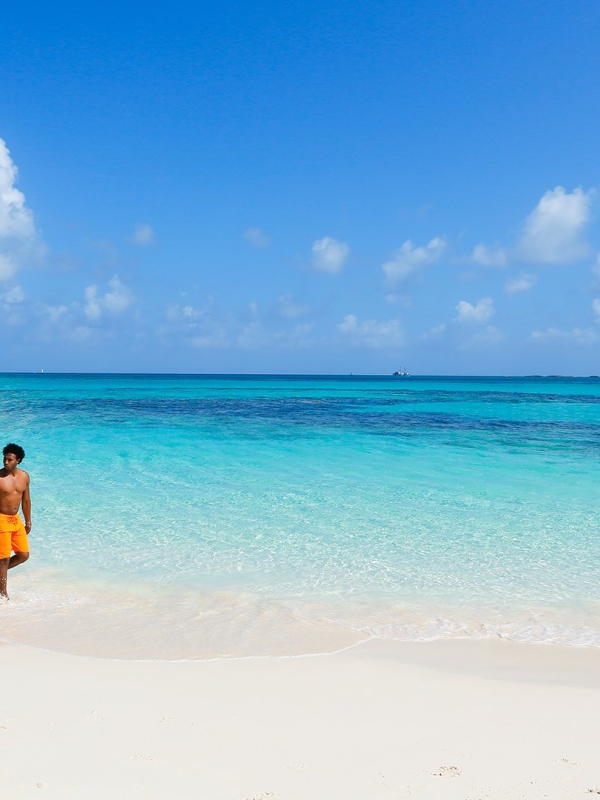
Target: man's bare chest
<point>12,485</point>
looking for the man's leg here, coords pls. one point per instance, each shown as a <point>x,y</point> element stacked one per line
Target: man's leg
<point>20,546</point>
<point>17,558</point>
<point>3,570</point>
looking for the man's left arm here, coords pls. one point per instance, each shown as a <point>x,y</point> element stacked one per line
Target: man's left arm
<point>26,506</point>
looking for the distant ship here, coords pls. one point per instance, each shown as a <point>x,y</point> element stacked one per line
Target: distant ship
<point>401,373</point>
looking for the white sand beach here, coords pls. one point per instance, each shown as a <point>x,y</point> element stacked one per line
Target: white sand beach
<point>447,719</point>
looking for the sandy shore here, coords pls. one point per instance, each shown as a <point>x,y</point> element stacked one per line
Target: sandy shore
<point>461,719</point>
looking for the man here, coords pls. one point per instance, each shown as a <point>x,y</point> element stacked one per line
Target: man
<point>14,492</point>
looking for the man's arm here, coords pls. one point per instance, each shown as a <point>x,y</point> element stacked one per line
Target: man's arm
<point>26,506</point>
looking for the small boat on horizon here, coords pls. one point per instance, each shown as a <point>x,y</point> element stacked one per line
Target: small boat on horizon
<point>401,373</point>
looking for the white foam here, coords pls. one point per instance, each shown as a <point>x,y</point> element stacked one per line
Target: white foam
<point>141,622</point>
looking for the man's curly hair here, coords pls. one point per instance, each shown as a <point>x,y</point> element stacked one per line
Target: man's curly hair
<point>15,449</point>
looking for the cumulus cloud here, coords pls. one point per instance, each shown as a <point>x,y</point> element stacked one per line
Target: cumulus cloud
<point>552,232</point>
<point>17,229</point>
<point>16,220</point>
<point>480,312</point>
<point>371,333</point>
<point>581,336</point>
<point>329,255</point>
<point>257,237</point>
<point>116,300</point>
<point>409,258</point>
<point>143,235</point>
<point>522,283</point>
<point>286,307</point>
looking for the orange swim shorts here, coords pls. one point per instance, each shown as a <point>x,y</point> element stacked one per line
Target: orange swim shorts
<point>13,537</point>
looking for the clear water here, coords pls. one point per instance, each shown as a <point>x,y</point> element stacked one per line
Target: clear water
<point>199,516</point>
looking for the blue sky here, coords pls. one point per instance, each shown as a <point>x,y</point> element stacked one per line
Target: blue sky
<point>325,187</point>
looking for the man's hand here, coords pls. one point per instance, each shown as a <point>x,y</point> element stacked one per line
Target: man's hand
<point>27,527</point>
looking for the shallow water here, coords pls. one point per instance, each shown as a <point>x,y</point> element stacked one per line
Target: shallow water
<point>197,516</point>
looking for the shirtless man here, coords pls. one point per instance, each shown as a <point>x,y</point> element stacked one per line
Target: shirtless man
<point>14,492</point>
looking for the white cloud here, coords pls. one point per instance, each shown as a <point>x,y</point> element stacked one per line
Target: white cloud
<point>329,255</point>
<point>408,259</point>
<point>522,283</point>
<point>143,235</point>
<point>552,232</point>
<point>576,335</point>
<point>257,237</point>
<point>17,229</point>
<point>93,309</point>
<point>7,267</point>
<point>287,308</point>
<point>495,256</point>
<point>596,309</point>
<point>371,333</point>
<point>114,301</point>
<point>14,295</point>
<point>15,219</point>
<point>480,312</point>
<point>118,298</point>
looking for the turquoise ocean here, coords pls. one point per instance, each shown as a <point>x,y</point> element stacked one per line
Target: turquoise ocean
<point>183,516</point>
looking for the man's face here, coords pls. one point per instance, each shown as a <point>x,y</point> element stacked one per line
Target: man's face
<point>11,462</point>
